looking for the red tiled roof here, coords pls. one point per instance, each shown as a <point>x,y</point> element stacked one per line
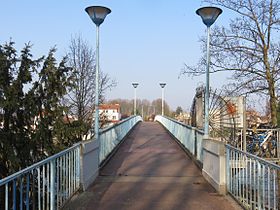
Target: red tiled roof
<point>109,106</point>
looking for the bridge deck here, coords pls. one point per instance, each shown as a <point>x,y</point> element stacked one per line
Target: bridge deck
<point>150,171</point>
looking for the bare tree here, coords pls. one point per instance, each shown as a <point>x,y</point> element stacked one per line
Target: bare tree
<point>248,48</point>
<point>81,98</point>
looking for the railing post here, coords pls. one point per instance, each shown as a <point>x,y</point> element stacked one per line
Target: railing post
<point>52,185</point>
<point>214,164</point>
<point>195,144</point>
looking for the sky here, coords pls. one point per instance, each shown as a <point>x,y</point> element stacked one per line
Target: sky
<point>141,41</point>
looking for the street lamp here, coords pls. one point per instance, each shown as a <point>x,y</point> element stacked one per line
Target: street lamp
<point>209,16</point>
<point>135,86</point>
<point>97,15</point>
<point>162,85</point>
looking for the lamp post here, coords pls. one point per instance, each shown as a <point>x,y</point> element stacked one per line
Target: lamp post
<point>209,16</point>
<point>135,86</point>
<point>162,85</point>
<point>97,14</point>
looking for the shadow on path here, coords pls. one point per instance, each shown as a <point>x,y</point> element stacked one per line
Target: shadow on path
<point>150,172</point>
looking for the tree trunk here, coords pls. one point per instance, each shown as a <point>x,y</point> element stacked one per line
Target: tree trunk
<point>271,88</point>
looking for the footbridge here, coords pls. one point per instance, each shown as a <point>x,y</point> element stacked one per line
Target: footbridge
<point>146,165</point>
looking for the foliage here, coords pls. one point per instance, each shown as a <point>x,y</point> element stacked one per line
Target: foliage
<point>179,110</point>
<point>248,48</point>
<point>32,117</point>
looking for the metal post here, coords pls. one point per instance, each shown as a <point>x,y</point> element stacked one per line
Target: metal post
<point>206,109</point>
<point>96,123</point>
<point>162,101</point>
<point>209,16</point>
<point>134,100</point>
<point>52,185</point>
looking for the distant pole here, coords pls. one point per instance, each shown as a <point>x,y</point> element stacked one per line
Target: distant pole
<point>135,86</point>
<point>162,85</point>
<point>209,16</point>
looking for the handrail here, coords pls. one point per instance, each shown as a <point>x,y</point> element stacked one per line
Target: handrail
<point>115,125</point>
<point>251,180</point>
<point>38,164</point>
<point>49,183</point>
<point>190,137</point>
<point>110,137</point>
<point>254,156</point>
<point>187,126</point>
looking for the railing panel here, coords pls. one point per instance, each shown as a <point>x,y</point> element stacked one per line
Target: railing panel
<point>112,136</point>
<point>191,138</point>
<point>253,181</point>
<point>44,185</point>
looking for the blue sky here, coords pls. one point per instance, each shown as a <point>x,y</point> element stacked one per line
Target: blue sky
<point>141,41</point>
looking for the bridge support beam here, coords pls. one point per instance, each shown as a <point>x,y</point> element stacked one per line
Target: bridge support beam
<point>214,164</point>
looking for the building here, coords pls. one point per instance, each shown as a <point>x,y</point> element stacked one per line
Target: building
<point>111,112</point>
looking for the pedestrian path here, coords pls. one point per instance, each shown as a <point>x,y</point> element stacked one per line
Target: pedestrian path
<point>150,172</point>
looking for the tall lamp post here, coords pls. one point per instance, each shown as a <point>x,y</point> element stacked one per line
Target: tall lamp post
<point>162,85</point>
<point>135,86</point>
<point>97,14</point>
<point>209,16</point>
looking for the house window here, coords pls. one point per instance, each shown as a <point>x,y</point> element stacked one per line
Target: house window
<point>114,118</point>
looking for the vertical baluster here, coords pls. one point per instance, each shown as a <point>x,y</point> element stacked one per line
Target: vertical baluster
<point>278,143</point>
<point>243,178</point>
<point>70,175</point>
<point>250,180</point>
<point>78,159</point>
<point>39,188</point>
<point>231,168</point>
<point>269,181</point>
<point>14,194</point>
<point>235,174</point>
<point>74,169</point>
<point>64,178</point>
<point>264,181</point>
<point>57,184</point>
<point>246,180</point>
<point>72,172</point>
<point>27,191</point>
<point>227,169</point>
<point>60,181</point>
<point>48,186</point>
<point>44,186</point>
<point>254,180</point>
<point>259,184</point>
<point>275,200</point>
<point>7,196</point>
<point>52,184</point>
<point>33,189</point>
<point>20,195</point>
<point>239,175</point>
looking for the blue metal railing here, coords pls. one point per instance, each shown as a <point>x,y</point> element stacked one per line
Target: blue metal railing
<point>189,136</point>
<point>47,184</point>
<point>110,137</point>
<point>252,181</point>
<point>50,183</point>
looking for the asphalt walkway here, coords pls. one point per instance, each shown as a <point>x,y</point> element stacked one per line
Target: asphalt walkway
<point>150,172</point>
